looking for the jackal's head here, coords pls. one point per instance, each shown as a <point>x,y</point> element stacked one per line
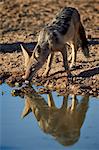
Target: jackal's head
<point>35,62</point>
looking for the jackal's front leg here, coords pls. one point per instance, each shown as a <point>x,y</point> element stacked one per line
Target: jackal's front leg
<point>74,104</point>
<point>74,55</point>
<point>51,102</point>
<point>48,66</point>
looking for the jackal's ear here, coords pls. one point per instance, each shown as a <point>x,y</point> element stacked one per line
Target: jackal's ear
<point>38,49</point>
<point>26,110</point>
<point>25,54</point>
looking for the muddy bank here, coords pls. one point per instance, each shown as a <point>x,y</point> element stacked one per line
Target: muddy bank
<point>85,77</point>
<point>21,23</point>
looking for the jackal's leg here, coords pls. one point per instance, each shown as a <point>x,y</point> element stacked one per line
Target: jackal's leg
<point>65,102</point>
<point>84,42</point>
<point>51,100</point>
<point>70,57</point>
<point>74,103</point>
<point>65,61</point>
<point>74,54</point>
<point>49,61</point>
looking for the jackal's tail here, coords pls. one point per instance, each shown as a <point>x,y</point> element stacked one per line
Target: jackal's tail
<point>84,42</point>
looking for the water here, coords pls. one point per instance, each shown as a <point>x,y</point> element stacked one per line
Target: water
<point>58,130</point>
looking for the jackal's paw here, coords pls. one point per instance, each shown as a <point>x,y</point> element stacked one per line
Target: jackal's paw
<point>72,67</point>
<point>69,74</point>
<point>45,74</point>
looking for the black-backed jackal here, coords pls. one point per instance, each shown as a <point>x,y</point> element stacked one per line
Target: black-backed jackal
<point>66,28</point>
<point>63,123</point>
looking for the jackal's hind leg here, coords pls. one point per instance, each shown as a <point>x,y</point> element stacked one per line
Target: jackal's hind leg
<point>48,66</point>
<point>65,61</point>
<point>65,102</point>
<point>84,42</point>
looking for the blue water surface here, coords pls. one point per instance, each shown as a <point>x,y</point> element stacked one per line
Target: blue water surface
<point>25,134</point>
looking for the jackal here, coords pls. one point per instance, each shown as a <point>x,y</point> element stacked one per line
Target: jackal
<point>65,29</point>
<point>63,123</point>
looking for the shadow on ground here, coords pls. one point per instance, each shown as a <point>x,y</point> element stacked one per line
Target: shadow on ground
<point>11,47</point>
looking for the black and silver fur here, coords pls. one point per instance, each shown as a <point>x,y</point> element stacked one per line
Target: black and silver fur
<point>65,28</point>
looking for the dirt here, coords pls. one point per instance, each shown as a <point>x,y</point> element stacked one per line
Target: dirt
<point>21,21</point>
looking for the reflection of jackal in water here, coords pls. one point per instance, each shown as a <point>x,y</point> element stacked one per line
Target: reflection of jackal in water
<point>62,123</point>
<point>66,28</point>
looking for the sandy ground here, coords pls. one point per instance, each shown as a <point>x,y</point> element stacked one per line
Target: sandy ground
<point>21,21</point>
